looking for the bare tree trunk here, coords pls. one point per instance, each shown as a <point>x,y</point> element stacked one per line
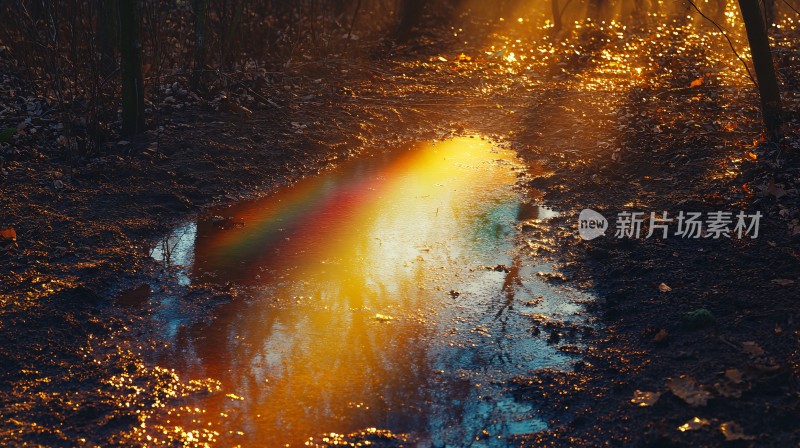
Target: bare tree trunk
<point>200,13</point>
<point>598,10</point>
<point>107,36</point>
<point>131,64</point>
<point>410,15</point>
<point>639,10</point>
<point>762,62</point>
<point>556,15</point>
<point>229,35</point>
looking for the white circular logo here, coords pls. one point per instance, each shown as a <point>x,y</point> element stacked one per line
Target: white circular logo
<point>591,224</point>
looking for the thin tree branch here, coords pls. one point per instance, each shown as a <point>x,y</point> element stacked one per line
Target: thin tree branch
<point>791,7</point>
<point>730,43</point>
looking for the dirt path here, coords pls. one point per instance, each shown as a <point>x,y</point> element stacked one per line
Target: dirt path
<point>619,129</point>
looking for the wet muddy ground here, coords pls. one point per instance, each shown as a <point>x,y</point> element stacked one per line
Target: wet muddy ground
<point>103,343</point>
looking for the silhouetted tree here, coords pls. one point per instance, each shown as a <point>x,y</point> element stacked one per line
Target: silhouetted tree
<point>762,62</point>
<point>410,15</point>
<point>200,16</point>
<point>556,9</point>
<point>598,9</point>
<point>131,64</point>
<point>107,36</point>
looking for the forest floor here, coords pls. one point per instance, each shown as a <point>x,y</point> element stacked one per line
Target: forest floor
<point>700,333</point>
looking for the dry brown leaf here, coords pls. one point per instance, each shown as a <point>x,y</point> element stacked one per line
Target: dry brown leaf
<point>732,431</point>
<point>794,227</point>
<point>642,398</point>
<point>663,287</point>
<point>775,189</point>
<point>694,424</point>
<point>661,336</point>
<point>8,234</point>
<point>697,82</point>
<point>686,388</point>
<point>730,390</point>
<point>734,375</point>
<point>734,384</point>
<point>752,349</point>
<point>783,281</point>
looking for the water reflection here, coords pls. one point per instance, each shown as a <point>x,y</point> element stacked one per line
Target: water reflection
<point>373,306</point>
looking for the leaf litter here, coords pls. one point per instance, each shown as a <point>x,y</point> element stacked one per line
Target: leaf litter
<point>644,399</point>
<point>687,389</point>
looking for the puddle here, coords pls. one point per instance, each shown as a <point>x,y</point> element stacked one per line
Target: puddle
<point>390,293</point>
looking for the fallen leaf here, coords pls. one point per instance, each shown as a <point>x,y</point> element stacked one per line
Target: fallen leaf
<point>661,336</point>
<point>728,389</point>
<point>775,189</point>
<point>752,349</point>
<point>732,431</point>
<point>697,82</point>
<point>794,227</point>
<point>685,388</point>
<point>734,375</point>
<point>643,399</point>
<point>694,424</point>
<point>783,281</point>
<point>663,287</point>
<point>8,234</point>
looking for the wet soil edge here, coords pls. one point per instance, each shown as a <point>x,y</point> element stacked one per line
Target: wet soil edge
<point>648,336</point>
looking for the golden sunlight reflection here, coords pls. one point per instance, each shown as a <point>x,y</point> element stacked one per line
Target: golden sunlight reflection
<point>377,303</point>
<point>613,52</point>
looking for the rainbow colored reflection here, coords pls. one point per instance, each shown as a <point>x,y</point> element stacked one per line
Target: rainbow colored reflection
<point>372,305</point>
<point>383,207</point>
